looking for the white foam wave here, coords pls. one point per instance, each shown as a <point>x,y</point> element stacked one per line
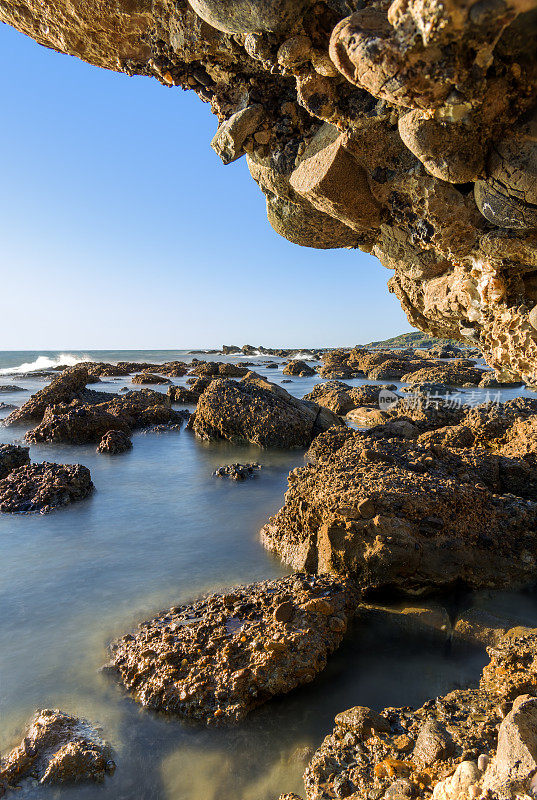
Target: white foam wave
<point>44,362</point>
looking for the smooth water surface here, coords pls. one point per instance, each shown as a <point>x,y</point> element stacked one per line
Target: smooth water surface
<point>158,531</point>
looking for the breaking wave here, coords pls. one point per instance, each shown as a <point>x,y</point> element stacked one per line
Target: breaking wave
<point>44,362</point>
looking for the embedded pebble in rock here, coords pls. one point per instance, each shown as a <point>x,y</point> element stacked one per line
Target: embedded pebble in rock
<point>405,129</point>
<point>237,472</point>
<point>44,487</point>
<point>456,747</point>
<point>57,749</point>
<point>11,457</point>
<point>220,657</point>
<point>423,508</point>
<point>114,442</point>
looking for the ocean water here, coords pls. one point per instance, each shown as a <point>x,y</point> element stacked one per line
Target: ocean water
<point>158,531</point>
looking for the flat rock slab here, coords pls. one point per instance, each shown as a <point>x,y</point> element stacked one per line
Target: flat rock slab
<point>217,659</point>
<point>44,487</point>
<point>57,749</point>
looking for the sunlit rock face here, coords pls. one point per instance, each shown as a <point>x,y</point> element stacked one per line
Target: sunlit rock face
<point>407,130</point>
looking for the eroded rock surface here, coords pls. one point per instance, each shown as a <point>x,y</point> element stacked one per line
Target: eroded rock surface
<point>222,656</point>
<point>469,744</point>
<point>44,487</point>
<point>237,472</point>
<point>415,503</point>
<point>114,442</point>
<point>254,410</point>
<point>57,749</point>
<point>11,457</point>
<point>405,129</point>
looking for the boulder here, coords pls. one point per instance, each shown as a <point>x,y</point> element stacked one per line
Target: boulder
<point>149,378</point>
<point>11,457</point>
<point>449,374</point>
<point>44,487</point>
<point>217,659</point>
<point>8,387</point>
<point>114,442</point>
<point>237,472</point>
<point>58,749</point>
<point>254,410</point>
<point>300,368</point>
<point>406,514</point>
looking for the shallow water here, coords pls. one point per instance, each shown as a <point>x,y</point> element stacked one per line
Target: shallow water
<point>158,531</point>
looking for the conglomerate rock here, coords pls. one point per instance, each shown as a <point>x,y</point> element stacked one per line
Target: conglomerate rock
<point>57,749</point>
<point>404,128</point>
<point>415,504</point>
<point>222,656</point>
<point>44,487</point>
<point>257,411</point>
<point>468,744</point>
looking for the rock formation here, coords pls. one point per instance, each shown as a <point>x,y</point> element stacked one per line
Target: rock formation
<point>114,442</point>
<point>468,744</point>
<point>405,129</point>
<point>44,487</point>
<point>416,504</point>
<point>57,749</point>
<point>237,472</point>
<point>222,656</point>
<point>254,410</point>
<point>11,457</point>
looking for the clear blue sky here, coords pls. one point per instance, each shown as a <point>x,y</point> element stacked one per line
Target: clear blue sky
<point>120,228</point>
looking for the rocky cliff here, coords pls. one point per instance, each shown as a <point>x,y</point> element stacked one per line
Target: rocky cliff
<point>407,129</point>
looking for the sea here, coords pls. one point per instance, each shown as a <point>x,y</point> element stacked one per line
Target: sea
<point>159,531</point>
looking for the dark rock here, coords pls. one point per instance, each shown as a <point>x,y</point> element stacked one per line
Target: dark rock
<point>237,472</point>
<point>11,457</point>
<point>44,487</point>
<point>114,442</point>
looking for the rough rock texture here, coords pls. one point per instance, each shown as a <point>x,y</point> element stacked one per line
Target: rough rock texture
<point>458,747</point>
<point>259,412</point>
<point>412,505</point>
<point>237,472</point>
<point>149,378</point>
<point>68,386</point>
<point>11,457</point>
<point>406,129</point>
<point>57,749</point>
<point>222,656</point>
<point>450,374</point>
<point>182,395</point>
<point>341,398</point>
<point>114,442</point>
<point>298,367</point>
<point>82,423</point>
<point>44,487</point>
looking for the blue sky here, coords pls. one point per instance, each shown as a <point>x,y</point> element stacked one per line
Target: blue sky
<point>120,227</point>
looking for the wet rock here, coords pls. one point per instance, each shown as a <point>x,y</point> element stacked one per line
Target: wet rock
<point>58,749</point>
<point>182,395</point>
<point>300,368</point>
<point>443,747</point>
<point>7,387</point>
<point>11,457</point>
<point>149,378</point>
<point>259,412</point>
<point>237,472</point>
<point>44,487</point>
<point>114,442</point>
<point>222,656</point>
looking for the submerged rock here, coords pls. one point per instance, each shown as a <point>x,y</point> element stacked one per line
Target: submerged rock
<point>44,487</point>
<point>10,388</point>
<point>237,472</point>
<point>256,411</point>
<point>57,749</point>
<point>398,510</point>
<point>461,746</point>
<point>11,457</point>
<point>114,442</point>
<point>217,659</point>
